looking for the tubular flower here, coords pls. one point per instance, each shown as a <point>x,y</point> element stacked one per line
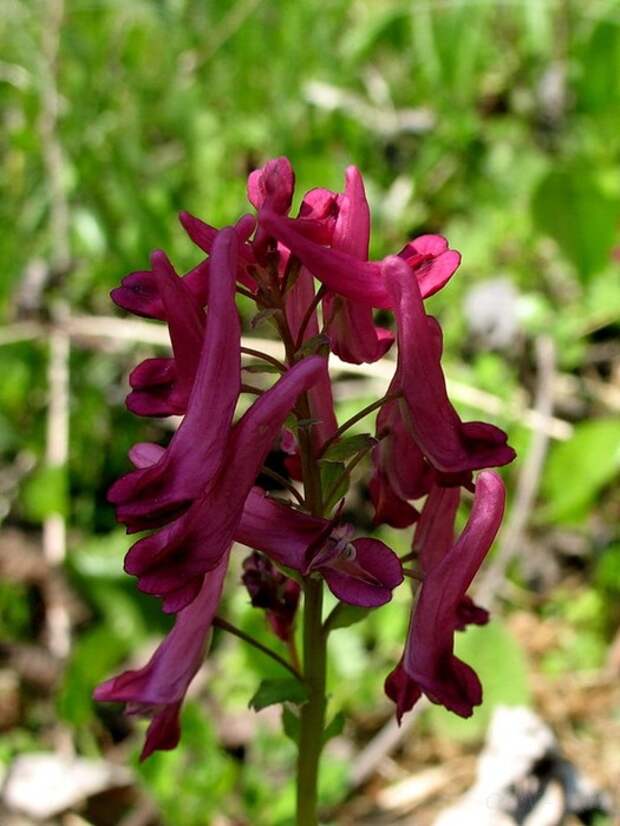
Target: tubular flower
<point>401,471</point>
<point>449,444</point>
<point>170,562</point>
<point>139,292</point>
<point>359,571</point>
<point>428,258</point>
<point>162,386</point>
<point>429,665</point>
<point>148,495</point>
<point>349,323</point>
<point>157,690</point>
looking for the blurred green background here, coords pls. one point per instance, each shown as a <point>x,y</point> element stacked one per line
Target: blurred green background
<point>494,123</point>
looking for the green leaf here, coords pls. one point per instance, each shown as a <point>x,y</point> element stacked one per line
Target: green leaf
<point>498,660</point>
<point>570,206</point>
<point>597,89</point>
<point>298,424</point>
<point>345,615</point>
<point>290,724</point>
<point>578,469</point>
<point>335,727</point>
<point>260,367</point>
<point>608,569</point>
<point>274,691</point>
<point>346,448</point>
<point>330,472</point>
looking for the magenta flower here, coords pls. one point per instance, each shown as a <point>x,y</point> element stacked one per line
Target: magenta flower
<point>158,689</point>
<point>162,386</point>
<point>360,571</point>
<point>390,508</point>
<point>139,292</point>
<point>450,445</point>
<point>272,185</point>
<point>428,259</point>
<point>170,562</point>
<point>429,665</point>
<point>401,471</point>
<point>149,495</point>
<point>350,324</point>
<point>204,235</point>
<point>198,495</point>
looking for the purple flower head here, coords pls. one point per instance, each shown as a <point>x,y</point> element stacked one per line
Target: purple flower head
<point>197,496</point>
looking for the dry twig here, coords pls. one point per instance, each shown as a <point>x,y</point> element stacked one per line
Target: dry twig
<point>57,435</point>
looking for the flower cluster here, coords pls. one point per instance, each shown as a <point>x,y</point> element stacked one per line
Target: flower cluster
<point>198,496</point>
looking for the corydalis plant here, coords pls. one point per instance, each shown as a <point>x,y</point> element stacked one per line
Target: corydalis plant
<point>199,496</point>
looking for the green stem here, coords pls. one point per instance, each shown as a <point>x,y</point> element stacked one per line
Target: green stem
<point>249,351</point>
<point>312,720</point>
<point>308,315</point>
<point>218,622</point>
<point>272,474</point>
<point>358,417</point>
<point>312,712</point>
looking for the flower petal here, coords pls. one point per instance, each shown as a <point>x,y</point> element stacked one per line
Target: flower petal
<point>343,273</point>
<point>150,494</point>
<point>434,533</point>
<point>369,579</point>
<point>429,653</point>
<point>390,509</point>
<point>450,445</point>
<point>196,541</point>
<point>272,184</point>
<point>139,293</point>
<point>402,690</point>
<point>162,683</point>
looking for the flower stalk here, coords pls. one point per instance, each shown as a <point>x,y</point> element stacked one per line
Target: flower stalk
<point>312,716</point>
